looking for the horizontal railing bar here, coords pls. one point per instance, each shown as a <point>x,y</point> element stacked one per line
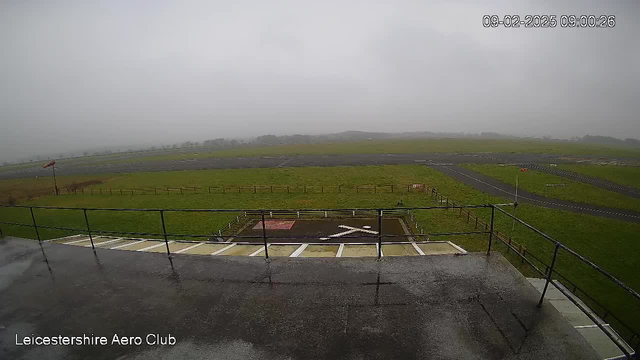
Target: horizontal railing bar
<point>247,210</point>
<point>572,252</point>
<point>594,319</point>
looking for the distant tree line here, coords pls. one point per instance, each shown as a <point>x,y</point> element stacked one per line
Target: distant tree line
<point>270,140</point>
<point>608,140</point>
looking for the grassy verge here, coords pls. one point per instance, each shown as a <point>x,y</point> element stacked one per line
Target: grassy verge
<point>625,175</point>
<point>607,242</point>
<point>535,182</point>
<point>18,190</point>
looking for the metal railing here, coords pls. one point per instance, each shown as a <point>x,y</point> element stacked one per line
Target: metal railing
<point>633,338</point>
<point>378,213</point>
<point>263,213</point>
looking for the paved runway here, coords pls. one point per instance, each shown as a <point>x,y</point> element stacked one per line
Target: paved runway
<point>497,188</point>
<point>282,161</point>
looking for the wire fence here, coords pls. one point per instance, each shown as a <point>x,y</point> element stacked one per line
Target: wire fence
<point>250,189</point>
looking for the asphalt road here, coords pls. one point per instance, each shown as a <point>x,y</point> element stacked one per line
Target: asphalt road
<point>601,183</point>
<point>283,161</point>
<point>425,307</point>
<point>497,188</point>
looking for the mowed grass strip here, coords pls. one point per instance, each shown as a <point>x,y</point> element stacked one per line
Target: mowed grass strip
<point>624,175</point>
<point>29,188</point>
<point>536,182</point>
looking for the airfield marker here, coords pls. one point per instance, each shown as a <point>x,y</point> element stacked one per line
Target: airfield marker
<point>125,245</point>
<point>189,248</point>
<point>154,246</point>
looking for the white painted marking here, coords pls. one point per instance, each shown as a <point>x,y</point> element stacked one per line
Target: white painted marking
<point>357,229</point>
<point>125,245</point>
<point>105,242</point>
<point>299,250</point>
<point>155,246</point>
<point>259,250</point>
<point>324,239</point>
<point>188,248</point>
<point>366,227</point>
<point>340,250</point>
<point>343,233</point>
<point>415,246</point>
<point>224,249</point>
<point>76,241</point>
<point>64,238</point>
<point>462,251</point>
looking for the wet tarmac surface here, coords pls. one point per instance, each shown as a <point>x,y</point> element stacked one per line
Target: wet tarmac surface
<point>422,307</point>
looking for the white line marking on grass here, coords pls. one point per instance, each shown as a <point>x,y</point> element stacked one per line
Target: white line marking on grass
<point>64,238</point>
<point>415,246</point>
<point>462,251</point>
<point>299,250</point>
<point>76,241</point>
<point>188,248</point>
<point>259,250</point>
<point>340,250</point>
<point>124,245</point>
<point>223,249</point>
<point>105,242</point>
<point>155,246</point>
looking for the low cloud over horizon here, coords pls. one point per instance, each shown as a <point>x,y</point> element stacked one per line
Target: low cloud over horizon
<point>78,74</point>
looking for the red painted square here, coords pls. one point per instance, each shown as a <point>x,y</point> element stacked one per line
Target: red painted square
<point>275,225</point>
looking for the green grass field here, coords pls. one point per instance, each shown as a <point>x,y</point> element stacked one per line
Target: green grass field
<point>535,182</point>
<point>625,175</point>
<point>607,242</point>
<point>363,147</point>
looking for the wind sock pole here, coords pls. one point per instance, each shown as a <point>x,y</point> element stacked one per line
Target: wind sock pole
<point>513,226</point>
<point>55,182</point>
<point>52,163</point>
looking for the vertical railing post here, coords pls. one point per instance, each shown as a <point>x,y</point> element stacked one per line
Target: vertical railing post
<point>493,214</point>
<point>86,220</point>
<point>164,232</point>
<point>379,234</point>
<point>35,226</point>
<point>550,274</point>
<point>264,236</point>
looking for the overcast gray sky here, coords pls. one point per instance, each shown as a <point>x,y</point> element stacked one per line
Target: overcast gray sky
<point>76,74</point>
